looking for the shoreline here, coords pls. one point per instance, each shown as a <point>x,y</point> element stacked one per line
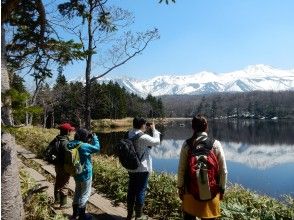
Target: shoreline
<point>126,123</point>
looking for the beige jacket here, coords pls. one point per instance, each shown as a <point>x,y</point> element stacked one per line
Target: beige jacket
<point>218,150</point>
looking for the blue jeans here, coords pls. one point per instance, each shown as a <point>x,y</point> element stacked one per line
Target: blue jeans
<point>137,188</point>
<point>82,193</point>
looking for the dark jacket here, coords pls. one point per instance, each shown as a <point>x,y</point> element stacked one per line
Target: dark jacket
<point>64,140</point>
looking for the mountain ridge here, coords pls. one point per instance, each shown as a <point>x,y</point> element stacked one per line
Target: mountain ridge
<point>254,77</point>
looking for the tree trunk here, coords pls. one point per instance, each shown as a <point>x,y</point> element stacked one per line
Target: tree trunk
<point>45,116</point>
<point>52,120</point>
<point>88,74</point>
<point>30,119</point>
<point>87,94</point>
<point>11,207</point>
<point>6,111</point>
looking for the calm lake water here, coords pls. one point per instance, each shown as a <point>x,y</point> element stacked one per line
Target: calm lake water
<point>259,154</point>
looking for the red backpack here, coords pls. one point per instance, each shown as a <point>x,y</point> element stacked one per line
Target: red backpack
<point>203,169</point>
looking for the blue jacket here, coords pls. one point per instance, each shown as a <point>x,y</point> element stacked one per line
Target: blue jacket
<point>85,151</point>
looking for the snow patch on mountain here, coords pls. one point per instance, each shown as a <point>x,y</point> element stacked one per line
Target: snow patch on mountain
<point>254,77</point>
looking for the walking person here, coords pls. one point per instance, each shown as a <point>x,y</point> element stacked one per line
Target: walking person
<point>62,177</point>
<point>138,178</point>
<point>83,180</point>
<point>202,173</point>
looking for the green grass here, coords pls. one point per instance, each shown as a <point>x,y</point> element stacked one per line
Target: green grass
<point>161,200</point>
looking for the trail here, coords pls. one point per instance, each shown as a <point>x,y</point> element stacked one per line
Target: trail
<point>99,207</point>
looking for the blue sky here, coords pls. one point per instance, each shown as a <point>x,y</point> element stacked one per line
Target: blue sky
<point>212,35</point>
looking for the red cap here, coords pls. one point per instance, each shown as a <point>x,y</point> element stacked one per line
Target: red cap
<point>66,127</point>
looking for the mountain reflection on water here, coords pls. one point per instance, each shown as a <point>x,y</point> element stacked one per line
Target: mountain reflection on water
<point>255,156</point>
<point>259,154</point>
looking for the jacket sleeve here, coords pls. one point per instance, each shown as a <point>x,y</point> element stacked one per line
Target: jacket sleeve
<point>92,148</point>
<point>222,164</point>
<point>182,165</point>
<point>151,141</point>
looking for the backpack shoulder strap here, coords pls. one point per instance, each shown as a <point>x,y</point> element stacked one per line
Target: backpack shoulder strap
<point>207,142</point>
<point>191,142</point>
<point>62,139</point>
<point>77,146</point>
<point>80,144</point>
<point>137,136</point>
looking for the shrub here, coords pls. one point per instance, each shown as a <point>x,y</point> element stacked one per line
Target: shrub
<point>33,138</point>
<point>111,179</point>
<point>241,203</point>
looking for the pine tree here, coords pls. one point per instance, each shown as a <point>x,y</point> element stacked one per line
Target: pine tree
<point>19,97</point>
<point>60,80</point>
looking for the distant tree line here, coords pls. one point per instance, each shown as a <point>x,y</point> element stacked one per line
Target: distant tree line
<point>256,104</point>
<point>248,131</point>
<point>65,102</point>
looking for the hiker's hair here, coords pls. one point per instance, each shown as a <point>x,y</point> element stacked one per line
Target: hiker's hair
<point>138,122</point>
<point>82,135</point>
<point>199,123</point>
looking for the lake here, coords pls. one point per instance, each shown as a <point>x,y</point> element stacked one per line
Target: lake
<point>259,153</point>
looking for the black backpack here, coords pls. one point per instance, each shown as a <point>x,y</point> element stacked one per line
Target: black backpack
<point>53,152</point>
<point>127,154</point>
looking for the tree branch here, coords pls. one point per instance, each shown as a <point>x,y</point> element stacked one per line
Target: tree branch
<point>42,19</point>
<point>123,62</point>
<point>81,39</point>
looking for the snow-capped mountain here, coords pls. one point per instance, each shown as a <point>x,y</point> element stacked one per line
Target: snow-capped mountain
<point>255,77</point>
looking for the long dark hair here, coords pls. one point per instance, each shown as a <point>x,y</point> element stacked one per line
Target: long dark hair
<point>199,124</point>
